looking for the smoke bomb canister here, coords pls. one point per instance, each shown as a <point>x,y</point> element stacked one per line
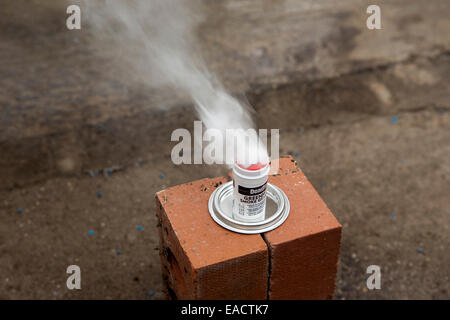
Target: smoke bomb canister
<point>249,194</point>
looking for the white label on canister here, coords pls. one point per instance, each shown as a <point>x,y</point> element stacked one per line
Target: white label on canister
<point>249,202</point>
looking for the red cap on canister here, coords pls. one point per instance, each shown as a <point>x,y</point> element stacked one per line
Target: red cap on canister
<point>253,167</point>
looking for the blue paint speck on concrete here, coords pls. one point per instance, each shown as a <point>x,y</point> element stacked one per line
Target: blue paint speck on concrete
<point>297,154</point>
<point>139,228</point>
<point>20,210</point>
<point>119,252</point>
<point>394,215</point>
<point>151,293</point>
<point>321,185</point>
<point>420,250</point>
<point>99,195</point>
<point>162,176</point>
<point>91,232</point>
<point>394,120</point>
<point>441,111</point>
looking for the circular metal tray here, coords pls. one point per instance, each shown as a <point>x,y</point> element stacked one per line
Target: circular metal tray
<point>220,209</point>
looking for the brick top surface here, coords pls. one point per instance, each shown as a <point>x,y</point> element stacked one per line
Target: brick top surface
<point>204,241</point>
<point>285,166</point>
<point>308,215</point>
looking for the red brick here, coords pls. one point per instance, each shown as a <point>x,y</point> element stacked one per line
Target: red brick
<point>200,259</point>
<point>304,250</point>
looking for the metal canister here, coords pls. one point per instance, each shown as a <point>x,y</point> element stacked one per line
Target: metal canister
<point>249,195</point>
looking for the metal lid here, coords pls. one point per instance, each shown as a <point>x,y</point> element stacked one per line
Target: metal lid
<point>220,209</point>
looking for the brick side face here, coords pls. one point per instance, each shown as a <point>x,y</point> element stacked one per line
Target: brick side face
<point>200,259</point>
<point>304,250</point>
<point>305,268</point>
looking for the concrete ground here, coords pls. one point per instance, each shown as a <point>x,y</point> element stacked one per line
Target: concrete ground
<point>367,117</point>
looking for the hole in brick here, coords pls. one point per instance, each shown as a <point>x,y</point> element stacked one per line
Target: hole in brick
<point>172,294</point>
<point>169,293</point>
<point>176,273</point>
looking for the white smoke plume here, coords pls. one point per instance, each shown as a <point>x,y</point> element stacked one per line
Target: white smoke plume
<point>157,40</point>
